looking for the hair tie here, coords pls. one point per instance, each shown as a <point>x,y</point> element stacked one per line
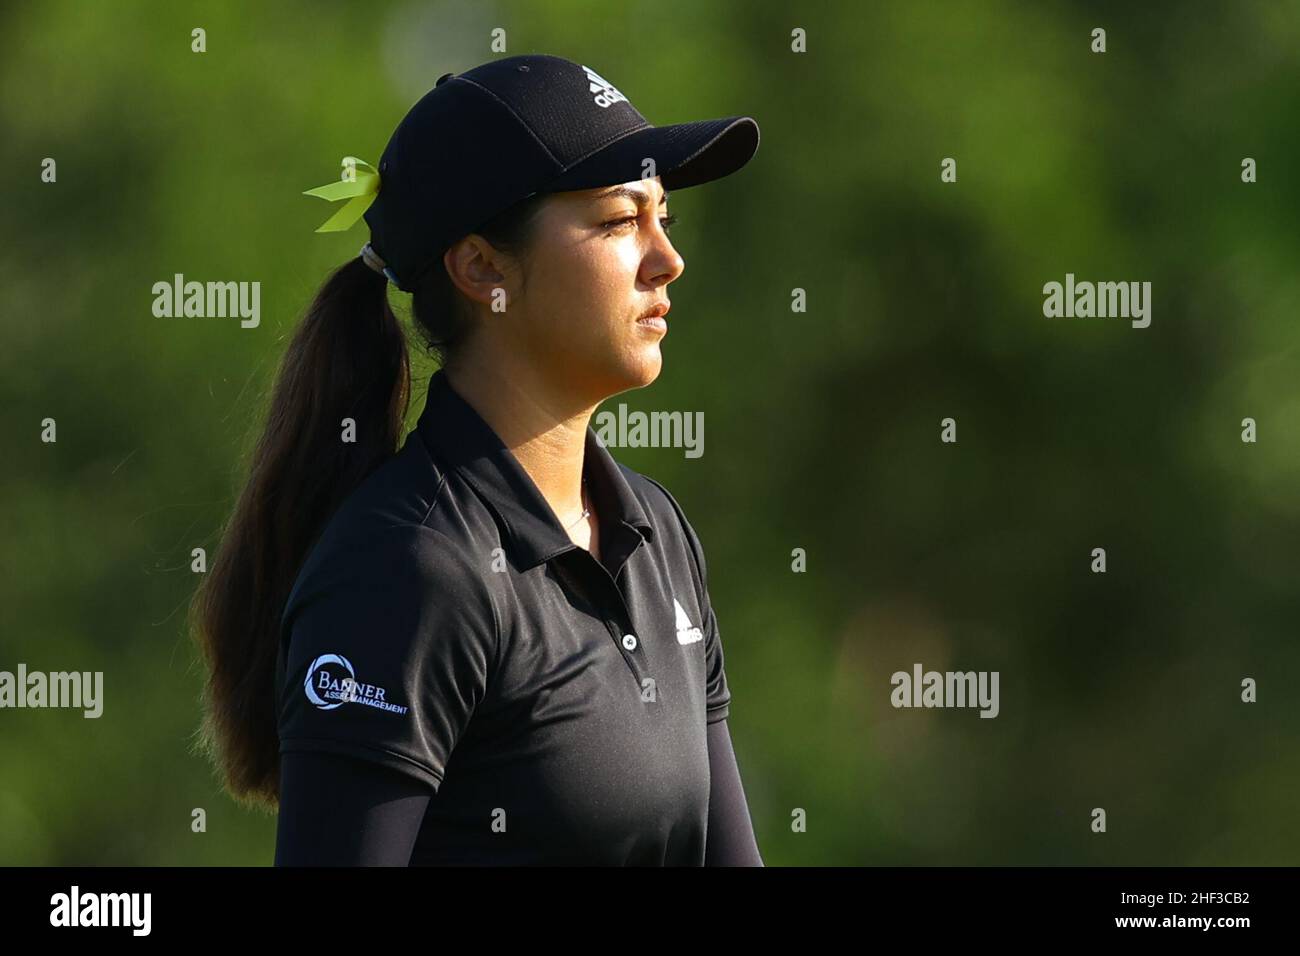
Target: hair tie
<point>371,258</point>
<point>359,183</point>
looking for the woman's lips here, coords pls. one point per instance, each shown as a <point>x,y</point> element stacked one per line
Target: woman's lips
<point>654,318</point>
<point>653,322</point>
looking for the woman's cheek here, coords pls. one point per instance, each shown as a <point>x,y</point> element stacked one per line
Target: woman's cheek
<point>630,256</point>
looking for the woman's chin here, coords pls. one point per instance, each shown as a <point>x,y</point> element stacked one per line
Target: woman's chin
<point>630,365</point>
<point>636,370</point>
<point>648,369</point>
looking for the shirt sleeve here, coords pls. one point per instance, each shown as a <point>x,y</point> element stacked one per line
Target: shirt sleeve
<point>718,704</point>
<point>718,695</point>
<point>390,645</point>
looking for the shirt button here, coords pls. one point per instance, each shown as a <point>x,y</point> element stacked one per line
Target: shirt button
<point>629,641</point>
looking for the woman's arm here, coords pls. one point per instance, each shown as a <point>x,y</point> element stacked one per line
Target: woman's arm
<point>730,840</point>
<point>339,811</point>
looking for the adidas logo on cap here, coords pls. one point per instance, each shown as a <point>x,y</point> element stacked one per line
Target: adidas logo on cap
<point>606,94</point>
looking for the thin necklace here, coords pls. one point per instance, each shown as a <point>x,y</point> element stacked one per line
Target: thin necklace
<point>585,510</point>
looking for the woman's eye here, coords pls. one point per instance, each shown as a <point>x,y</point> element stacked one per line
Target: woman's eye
<point>666,221</point>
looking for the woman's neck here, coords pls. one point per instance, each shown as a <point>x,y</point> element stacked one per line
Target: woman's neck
<point>546,431</point>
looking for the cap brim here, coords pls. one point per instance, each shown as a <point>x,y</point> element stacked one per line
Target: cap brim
<point>685,154</point>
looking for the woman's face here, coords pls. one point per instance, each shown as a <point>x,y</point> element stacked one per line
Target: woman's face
<point>600,259</point>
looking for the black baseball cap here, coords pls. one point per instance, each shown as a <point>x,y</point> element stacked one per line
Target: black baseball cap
<point>482,140</point>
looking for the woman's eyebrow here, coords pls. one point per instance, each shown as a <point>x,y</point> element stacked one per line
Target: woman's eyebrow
<point>638,196</point>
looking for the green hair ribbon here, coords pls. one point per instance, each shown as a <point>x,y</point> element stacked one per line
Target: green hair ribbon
<point>360,184</point>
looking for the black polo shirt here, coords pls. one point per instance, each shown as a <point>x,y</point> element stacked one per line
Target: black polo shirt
<point>445,625</point>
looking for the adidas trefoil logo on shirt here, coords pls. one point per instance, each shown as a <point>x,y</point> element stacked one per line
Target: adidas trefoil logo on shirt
<point>687,633</point>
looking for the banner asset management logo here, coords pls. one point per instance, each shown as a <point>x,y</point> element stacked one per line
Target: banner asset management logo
<point>332,682</point>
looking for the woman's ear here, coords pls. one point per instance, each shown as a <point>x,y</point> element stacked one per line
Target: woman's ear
<point>476,269</point>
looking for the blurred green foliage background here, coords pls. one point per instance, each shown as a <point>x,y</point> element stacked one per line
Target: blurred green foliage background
<point>1118,690</point>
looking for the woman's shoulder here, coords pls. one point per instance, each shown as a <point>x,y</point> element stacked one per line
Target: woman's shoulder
<point>657,500</point>
<point>383,546</point>
<point>378,545</point>
<point>665,512</point>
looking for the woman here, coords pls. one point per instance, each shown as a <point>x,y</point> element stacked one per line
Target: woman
<point>494,645</point>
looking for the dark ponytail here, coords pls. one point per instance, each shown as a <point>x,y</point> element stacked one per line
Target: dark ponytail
<point>348,359</point>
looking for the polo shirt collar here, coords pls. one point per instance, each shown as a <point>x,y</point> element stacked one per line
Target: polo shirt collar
<point>459,437</point>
